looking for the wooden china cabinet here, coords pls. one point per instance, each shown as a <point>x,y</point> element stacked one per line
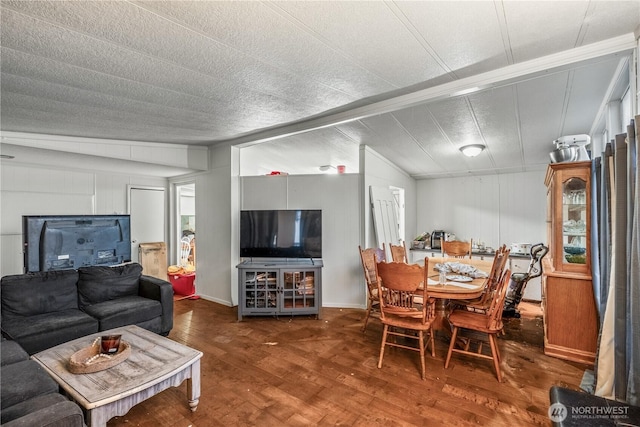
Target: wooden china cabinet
<point>568,303</point>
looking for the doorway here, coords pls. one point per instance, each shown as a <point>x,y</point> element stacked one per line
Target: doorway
<point>186,224</point>
<point>398,197</point>
<point>146,208</point>
<point>387,204</point>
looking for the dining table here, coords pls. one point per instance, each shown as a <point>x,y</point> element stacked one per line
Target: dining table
<point>452,290</point>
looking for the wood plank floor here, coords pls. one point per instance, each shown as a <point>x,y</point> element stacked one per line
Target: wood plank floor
<point>302,371</point>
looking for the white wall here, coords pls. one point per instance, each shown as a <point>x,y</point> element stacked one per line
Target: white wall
<point>496,209</point>
<point>337,196</point>
<point>215,262</point>
<point>37,190</point>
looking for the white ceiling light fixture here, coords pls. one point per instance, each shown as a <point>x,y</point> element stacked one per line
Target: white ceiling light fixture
<point>472,150</point>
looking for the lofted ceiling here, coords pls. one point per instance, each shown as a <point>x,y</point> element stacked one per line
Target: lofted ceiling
<point>300,84</point>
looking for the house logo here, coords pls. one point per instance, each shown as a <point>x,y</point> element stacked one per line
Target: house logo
<point>557,412</point>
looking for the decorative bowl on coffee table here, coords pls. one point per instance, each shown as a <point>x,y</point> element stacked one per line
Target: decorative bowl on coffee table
<point>91,359</point>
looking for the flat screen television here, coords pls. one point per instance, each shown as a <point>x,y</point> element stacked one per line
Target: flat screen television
<point>64,242</point>
<point>281,233</point>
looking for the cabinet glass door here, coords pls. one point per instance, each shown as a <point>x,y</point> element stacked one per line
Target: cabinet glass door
<point>261,290</point>
<point>299,290</point>
<point>574,221</point>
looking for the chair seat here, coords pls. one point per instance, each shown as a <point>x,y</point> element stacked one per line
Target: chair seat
<point>470,320</point>
<point>468,301</point>
<point>477,305</point>
<point>405,322</point>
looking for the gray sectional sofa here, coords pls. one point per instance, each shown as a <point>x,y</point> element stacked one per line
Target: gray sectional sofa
<point>43,309</point>
<point>28,395</point>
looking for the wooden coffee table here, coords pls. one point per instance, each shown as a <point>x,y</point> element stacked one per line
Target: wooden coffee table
<point>155,364</point>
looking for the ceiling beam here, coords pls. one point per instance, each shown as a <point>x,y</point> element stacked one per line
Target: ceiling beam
<point>503,76</point>
<point>619,76</point>
<point>182,157</point>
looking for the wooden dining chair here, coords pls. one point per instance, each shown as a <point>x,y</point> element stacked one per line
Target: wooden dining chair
<point>456,248</point>
<point>480,325</point>
<point>398,252</point>
<point>399,285</point>
<point>481,304</point>
<point>369,258</point>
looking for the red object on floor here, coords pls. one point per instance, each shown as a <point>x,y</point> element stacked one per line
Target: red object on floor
<point>183,284</point>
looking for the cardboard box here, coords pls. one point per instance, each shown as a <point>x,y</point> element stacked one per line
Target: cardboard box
<point>153,258</point>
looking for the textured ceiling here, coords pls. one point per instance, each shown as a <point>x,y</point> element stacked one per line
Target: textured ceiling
<point>303,83</point>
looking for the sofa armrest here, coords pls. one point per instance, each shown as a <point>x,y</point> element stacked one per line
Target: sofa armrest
<point>61,414</point>
<point>159,290</point>
<point>580,409</point>
<point>5,335</point>
<point>11,352</point>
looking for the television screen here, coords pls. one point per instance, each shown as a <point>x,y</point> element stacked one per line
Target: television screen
<point>68,242</point>
<point>281,233</point>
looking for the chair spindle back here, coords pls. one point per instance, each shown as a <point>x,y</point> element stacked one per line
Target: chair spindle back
<point>399,285</point>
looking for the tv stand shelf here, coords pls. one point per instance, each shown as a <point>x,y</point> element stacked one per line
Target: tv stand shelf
<point>272,288</point>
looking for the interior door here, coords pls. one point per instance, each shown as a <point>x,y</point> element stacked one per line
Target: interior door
<point>385,220</point>
<point>147,210</point>
<point>186,223</point>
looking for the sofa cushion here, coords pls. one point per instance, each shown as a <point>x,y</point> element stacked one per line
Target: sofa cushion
<point>98,284</point>
<point>22,381</point>
<point>40,292</point>
<point>153,325</point>
<point>11,352</point>
<point>131,310</point>
<point>59,414</point>
<point>46,330</point>
<point>31,405</point>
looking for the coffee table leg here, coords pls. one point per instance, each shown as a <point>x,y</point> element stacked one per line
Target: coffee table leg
<point>96,418</point>
<point>193,386</point>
